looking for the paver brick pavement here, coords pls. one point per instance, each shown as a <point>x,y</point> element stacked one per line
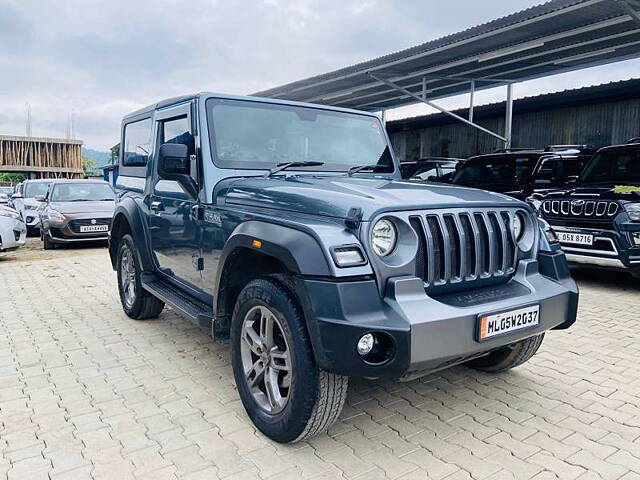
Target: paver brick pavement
<point>87,393</point>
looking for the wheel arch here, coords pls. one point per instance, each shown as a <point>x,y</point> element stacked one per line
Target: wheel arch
<point>127,219</point>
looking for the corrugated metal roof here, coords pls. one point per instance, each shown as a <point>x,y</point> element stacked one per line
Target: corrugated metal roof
<point>611,91</point>
<point>554,37</point>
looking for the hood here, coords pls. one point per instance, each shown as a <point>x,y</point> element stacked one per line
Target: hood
<point>333,196</point>
<point>84,207</point>
<point>621,193</point>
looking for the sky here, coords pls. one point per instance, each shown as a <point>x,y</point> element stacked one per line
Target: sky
<point>99,60</point>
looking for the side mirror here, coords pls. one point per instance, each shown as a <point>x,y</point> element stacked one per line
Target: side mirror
<point>4,199</point>
<point>39,198</point>
<point>16,195</point>
<point>541,182</point>
<point>572,183</point>
<point>174,164</point>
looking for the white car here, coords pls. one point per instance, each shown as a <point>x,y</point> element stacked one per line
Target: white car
<point>13,231</point>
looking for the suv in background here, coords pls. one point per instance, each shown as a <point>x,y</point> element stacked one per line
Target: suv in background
<point>435,169</point>
<point>24,200</point>
<point>286,228</point>
<point>598,220</point>
<point>521,173</point>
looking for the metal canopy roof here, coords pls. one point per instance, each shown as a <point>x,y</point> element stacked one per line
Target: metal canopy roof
<point>555,37</point>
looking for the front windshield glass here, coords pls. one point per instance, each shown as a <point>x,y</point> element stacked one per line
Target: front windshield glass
<point>255,135</point>
<point>33,189</point>
<point>509,173</point>
<point>82,192</point>
<point>613,167</point>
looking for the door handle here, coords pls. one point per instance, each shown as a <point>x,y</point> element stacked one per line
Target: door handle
<point>156,206</point>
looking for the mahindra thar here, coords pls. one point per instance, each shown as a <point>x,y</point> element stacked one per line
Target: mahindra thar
<point>287,229</point>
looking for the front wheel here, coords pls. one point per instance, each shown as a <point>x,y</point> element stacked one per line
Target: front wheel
<point>137,303</point>
<point>284,392</point>
<point>46,241</point>
<point>508,357</point>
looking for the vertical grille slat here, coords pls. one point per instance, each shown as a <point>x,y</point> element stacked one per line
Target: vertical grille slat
<point>459,247</point>
<point>579,208</point>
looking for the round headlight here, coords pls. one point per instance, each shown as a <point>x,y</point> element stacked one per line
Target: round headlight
<point>383,237</point>
<point>517,226</point>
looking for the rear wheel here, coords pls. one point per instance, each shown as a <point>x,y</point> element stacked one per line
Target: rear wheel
<point>137,303</point>
<point>508,357</point>
<point>282,389</point>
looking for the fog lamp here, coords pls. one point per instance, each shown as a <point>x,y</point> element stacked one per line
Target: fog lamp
<point>365,344</point>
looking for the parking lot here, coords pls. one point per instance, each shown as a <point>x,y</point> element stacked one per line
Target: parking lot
<point>86,392</point>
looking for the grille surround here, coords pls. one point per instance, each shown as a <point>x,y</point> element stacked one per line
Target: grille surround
<point>75,225</point>
<point>578,208</point>
<point>463,246</point>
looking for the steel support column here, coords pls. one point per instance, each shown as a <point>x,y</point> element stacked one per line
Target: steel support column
<point>437,107</point>
<point>508,120</point>
<point>472,92</point>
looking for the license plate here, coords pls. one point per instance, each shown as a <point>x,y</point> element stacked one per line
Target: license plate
<point>507,322</point>
<point>94,228</point>
<point>575,238</point>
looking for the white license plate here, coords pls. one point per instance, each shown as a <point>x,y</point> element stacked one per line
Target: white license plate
<point>94,228</point>
<point>575,238</point>
<point>507,322</point>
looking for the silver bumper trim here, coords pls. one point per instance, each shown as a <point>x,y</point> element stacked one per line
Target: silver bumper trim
<point>599,261</point>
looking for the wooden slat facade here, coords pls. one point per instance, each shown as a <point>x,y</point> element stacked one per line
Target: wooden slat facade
<point>41,157</point>
<point>597,116</point>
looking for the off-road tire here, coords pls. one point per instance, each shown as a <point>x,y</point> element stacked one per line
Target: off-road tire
<point>47,243</point>
<point>315,397</point>
<point>508,357</point>
<point>145,305</point>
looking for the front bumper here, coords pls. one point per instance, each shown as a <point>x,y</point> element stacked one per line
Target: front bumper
<point>69,231</point>
<point>614,250</point>
<point>431,333</point>
<point>13,233</point>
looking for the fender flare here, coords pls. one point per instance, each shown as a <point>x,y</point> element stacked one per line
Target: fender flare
<point>128,210</point>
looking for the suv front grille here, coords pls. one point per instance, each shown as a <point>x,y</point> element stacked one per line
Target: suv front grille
<point>76,224</point>
<point>463,247</point>
<point>597,209</point>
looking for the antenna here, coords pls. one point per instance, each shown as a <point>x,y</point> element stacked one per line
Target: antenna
<point>28,120</point>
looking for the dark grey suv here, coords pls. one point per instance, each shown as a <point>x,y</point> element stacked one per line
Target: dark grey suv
<point>286,228</point>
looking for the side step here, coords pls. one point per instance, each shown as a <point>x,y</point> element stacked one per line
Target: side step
<point>192,308</point>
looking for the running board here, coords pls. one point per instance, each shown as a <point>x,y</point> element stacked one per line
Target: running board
<point>192,308</point>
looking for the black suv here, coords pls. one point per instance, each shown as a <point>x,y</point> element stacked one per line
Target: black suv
<point>523,172</point>
<point>438,169</point>
<point>286,228</point>
<point>598,220</point>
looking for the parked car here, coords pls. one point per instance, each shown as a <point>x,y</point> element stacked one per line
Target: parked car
<point>522,172</point>
<point>13,231</point>
<point>438,169</point>
<point>286,228</point>
<point>7,191</point>
<point>24,200</point>
<point>76,211</point>
<point>598,220</point>
<point>4,199</point>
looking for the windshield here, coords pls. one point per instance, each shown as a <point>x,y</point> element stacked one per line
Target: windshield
<point>511,173</point>
<point>253,135</point>
<point>613,167</point>
<point>82,192</point>
<point>33,189</point>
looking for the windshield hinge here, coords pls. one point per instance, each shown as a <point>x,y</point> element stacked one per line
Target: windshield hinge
<point>198,263</point>
<point>353,218</point>
<point>197,212</point>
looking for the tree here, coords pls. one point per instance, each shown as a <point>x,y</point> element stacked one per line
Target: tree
<point>11,177</point>
<point>89,166</point>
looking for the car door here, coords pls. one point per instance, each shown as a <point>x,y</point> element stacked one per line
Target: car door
<point>173,224</point>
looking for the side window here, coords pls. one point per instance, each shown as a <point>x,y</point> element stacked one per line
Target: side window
<point>137,143</point>
<point>548,170</point>
<point>175,130</point>
<point>426,173</point>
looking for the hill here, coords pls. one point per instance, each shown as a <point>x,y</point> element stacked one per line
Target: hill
<point>101,158</point>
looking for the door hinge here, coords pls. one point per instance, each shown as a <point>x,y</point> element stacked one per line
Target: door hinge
<point>198,263</point>
<point>198,212</point>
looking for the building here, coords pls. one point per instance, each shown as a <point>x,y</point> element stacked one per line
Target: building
<point>601,115</point>
<point>41,157</point>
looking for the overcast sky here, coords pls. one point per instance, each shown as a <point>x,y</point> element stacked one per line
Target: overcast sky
<point>103,59</point>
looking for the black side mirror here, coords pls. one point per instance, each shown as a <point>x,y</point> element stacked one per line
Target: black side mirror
<point>16,195</point>
<point>174,164</point>
<point>39,198</point>
<point>572,183</point>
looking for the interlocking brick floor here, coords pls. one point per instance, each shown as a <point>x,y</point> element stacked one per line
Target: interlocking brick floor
<point>86,393</point>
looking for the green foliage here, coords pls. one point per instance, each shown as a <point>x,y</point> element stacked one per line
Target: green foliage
<point>89,166</point>
<point>12,177</point>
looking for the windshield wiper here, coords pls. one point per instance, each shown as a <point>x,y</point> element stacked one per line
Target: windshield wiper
<point>360,168</point>
<point>283,166</point>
